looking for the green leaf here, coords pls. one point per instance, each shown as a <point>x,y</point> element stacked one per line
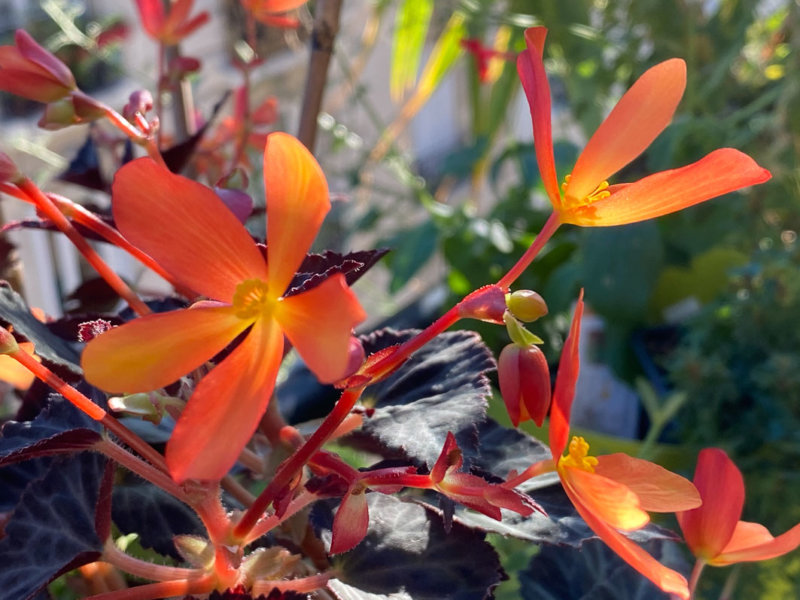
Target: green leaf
<point>444,54</point>
<point>413,19</point>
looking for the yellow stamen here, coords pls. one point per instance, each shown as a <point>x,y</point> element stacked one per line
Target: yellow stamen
<point>578,456</point>
<point>600,192</point>
<point>251,299</point>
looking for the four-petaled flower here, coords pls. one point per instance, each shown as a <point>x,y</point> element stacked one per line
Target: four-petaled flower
<point>186,228</point>
<point>613,492</point>
<point>637,119</point>
<point>713,531</point>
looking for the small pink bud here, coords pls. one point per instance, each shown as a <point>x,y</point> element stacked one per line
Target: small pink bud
<point>140,101</point>
<point>526,305</point>
<point>524,383</point>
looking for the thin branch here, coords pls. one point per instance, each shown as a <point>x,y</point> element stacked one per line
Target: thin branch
<point>323,36</point>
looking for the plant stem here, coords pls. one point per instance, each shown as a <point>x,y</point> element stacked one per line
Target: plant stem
<point>143,568</point>
<point>526,259</point>
<point>695,576</point>
<point>163,589</point>
<point>141,468</point>
<point>49,209</point>
<point>292,466</point>
<point>323,37</point>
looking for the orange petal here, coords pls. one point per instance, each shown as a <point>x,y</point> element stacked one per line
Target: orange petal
<point>13,373</point>
<point>537,89</point>
<point>641,114</point>
<point>609,500</point>
<point>276,5</point>
<point>319,323</point>
<point>708,529</point>
<point>186,228</point>
<point>153,351</point>
<point>752,542</point>
<point>297,202</point>
<point>225,409</point>
<point>668,580</point>
<point>658,490</point>
<point>564,393</point>
<point>720,172</point>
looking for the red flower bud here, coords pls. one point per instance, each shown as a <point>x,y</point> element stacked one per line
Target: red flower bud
<point>30,71</point>
<point>524,383</point>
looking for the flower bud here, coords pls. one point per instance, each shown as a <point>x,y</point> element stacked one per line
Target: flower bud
<point>30,71</point>
<point>485,304</point>
<point>526,305</point>
<point>8,345</point>
<point>524,383</point>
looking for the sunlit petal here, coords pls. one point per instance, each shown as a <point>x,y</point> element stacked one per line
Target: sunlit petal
<point>186,228</point>
<point>153,351</point>
<point>609,500</point>
<point>637,119</point>
<point>537,89</point>
<point>720,172</point>
<point>225,409</point>
<point>319,323</point>
<point>658,490</point>
<point>708,529</point>
<point>351,522</point>
<point>13,373</point>
<point>297,202</point>
<point>752,541</point>
<point>564,392</point>
<point>668,580</point>
<point>151,13</point>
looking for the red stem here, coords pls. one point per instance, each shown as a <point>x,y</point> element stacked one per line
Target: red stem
<point>52,212</point>
<point>526,259</point>
<point>164,589</point>
<point>292,465</point>
<point>141,468</point>
<point>90,408</point>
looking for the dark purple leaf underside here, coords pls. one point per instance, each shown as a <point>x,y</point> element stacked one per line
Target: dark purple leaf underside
<point>54,527</point>
<point>316,268</point>
<point>13,310</point>
<point>153,514</point>
<point>59,428</point>
<point>593,573</point>
<point>407,555</point>
<point>443,387</point>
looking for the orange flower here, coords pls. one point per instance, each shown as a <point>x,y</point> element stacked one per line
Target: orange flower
<point>612,493</point>
<point>14,373</point>
<point>187,229</point>
<point>270,12</point>
<point>30,71</point>
<point>169,28</point>
<point>637,119</point>
<point>713,531</point>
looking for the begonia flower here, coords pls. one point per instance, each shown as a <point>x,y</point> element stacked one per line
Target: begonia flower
<point>30,71</point>
<point>272,12</point>
<point>169,27</point>
<point>638,118</point>
<point>186,228</point>
<point>713,531</point>
<point>613,493</point>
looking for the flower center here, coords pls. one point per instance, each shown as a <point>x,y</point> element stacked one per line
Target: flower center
<point>251,299</point>
<point>600,192</point>
<point>578,456</point>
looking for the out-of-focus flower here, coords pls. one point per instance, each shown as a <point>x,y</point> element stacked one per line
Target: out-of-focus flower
<point>486,59</point>
<point>637,119</point>
<point>170,27</point>
<point>713,531</point>
<point>271,12</point>
<point>30,71</point>
<point>186,228</point>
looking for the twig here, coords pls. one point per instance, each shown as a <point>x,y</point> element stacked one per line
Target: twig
<point>323,36</point>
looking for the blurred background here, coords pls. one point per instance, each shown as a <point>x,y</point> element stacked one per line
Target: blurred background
<point>692,337</point>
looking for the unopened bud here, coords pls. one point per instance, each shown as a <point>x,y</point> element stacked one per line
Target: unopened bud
<point>150,406</point>
<point>72,110</point>
<point>524,383</point>
<point>140,101</point>
<point>8,345</point>
<point>485,304</point>
<point>526,305</point>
